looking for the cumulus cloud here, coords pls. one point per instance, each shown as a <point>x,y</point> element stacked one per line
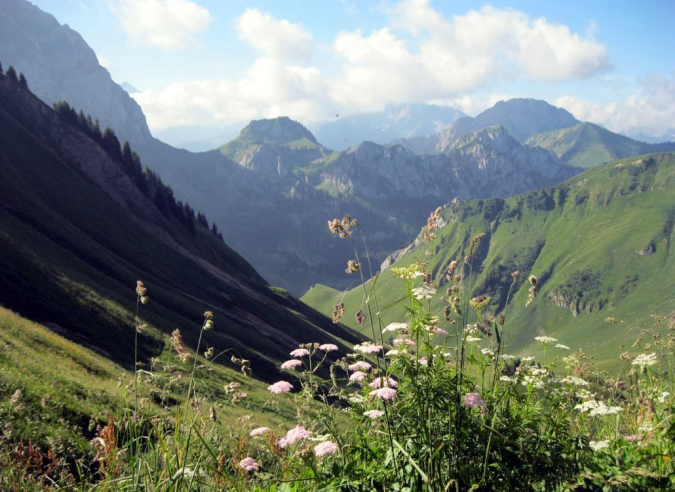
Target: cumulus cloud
<point>167,24</point>
<point>267,90</point>
<point>275,38</point>
<point>650,111</point>
<point>419,56</point>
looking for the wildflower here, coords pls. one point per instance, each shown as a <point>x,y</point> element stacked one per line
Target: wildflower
<point>328,347</point>
<point>410,272</point>
<point>294,435</point>
<point>487,352</point>
<point>438,331</point>
<point>358,376</point>
<point>384,393</point>
<point>393,352</point>
<point>633,438</point>
<point>533,280</point>
<point>327,447</point>
<point>473,400</point>
<point>603,409</point>
<point>424,292</point>
<point>301,352</point>
<point>506,357</point>
<point>259,431</point>
<point>423,361</point>
<point>232,387</point>
<point>359,366</point>
<point>249,464</point>
<point>360,317</point>
<point>208,314</point>
<point>140,289</point>
<point>403,341</point>
<point>179,345</point>
<point>280,387</point>
<point>507,379</point>
<point>473,339</point>
<point>479,303</point>
<point>373,414</point>
<point>338,312</point>
<point>381,381</point>
<point>596,446</point>
<point>643,360</point>
<point>352,267</point>
<point>212,414</point>
<point>209,353</point>
<point>515,275</point>
<point>395,327</point>
<point>545,340</point>
<point>527,359</point>
<point>289,365</point>
<point>574,380</point>
<point>208,324</point>
<point>368,348</point>
<point>561,346</point>
<point>663,397</point>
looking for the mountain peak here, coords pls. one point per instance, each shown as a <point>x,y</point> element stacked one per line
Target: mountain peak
<point>279,130</point>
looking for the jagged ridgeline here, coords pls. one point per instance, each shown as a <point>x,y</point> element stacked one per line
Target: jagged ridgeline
<point>80,222</point>
<point>600,244</point>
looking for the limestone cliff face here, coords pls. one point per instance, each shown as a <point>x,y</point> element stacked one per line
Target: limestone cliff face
<point>487,163</point>
<point>59,65</point>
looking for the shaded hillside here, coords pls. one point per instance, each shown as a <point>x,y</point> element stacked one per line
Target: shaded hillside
<point>76,233</point>
<point>600,244</point>
<point>587,145</point>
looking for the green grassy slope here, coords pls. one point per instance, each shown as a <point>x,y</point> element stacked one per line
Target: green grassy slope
<point>587,145</point>
<point>76,234</point>
<point>600,243</point>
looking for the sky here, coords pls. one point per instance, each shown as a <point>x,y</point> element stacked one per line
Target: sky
<point>214,62</point>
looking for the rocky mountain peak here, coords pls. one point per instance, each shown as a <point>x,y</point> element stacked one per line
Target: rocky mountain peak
<point>276,131</point>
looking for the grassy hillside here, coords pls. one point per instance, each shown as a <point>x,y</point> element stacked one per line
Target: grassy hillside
<point>600,244</point>
<point>587,145</point>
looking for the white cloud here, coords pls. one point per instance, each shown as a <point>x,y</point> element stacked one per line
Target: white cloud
<point>267,90</point>
<point>167,24</point>
<point>420,56</point>
<point>275,38</point>
<point>650,111</point>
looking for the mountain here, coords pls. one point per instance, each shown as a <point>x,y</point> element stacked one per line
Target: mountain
<point>394,122</point>
<point>61,66</point>
<point>486,163</point>
<point>522,118</point>
<point>599,243</point>
<point>78,229</point>
<point>271,190</point>
<point>587,145</point>
<point>130,89</point>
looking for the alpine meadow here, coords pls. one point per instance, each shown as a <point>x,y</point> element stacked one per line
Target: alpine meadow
<point>401,246</point>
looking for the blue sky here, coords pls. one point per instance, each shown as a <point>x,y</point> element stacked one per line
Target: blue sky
<point>209,62</point>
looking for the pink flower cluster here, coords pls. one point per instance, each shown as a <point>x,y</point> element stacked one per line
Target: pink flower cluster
<point>289,365</point>
<point>359,366</point>
<point>301,352</point>
<point>357,377</point>
<point>384,393</point>
<point>280,387</point>
<point>368,348</point>
<point>259,431</point>
<point>386,382</point>
<point>249,464</point>
<point>473,400</point>
<point>328,347</point>
<point>294,435</point>
<point>404,341</point>
<point>327,447</point>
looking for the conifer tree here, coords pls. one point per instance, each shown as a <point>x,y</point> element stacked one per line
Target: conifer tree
<point>1,72</point>
<point>11,73</point>
<point>22,79</point>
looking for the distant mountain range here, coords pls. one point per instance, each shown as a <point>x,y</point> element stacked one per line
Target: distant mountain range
<point>271,189</point>
<point>396,121</point>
